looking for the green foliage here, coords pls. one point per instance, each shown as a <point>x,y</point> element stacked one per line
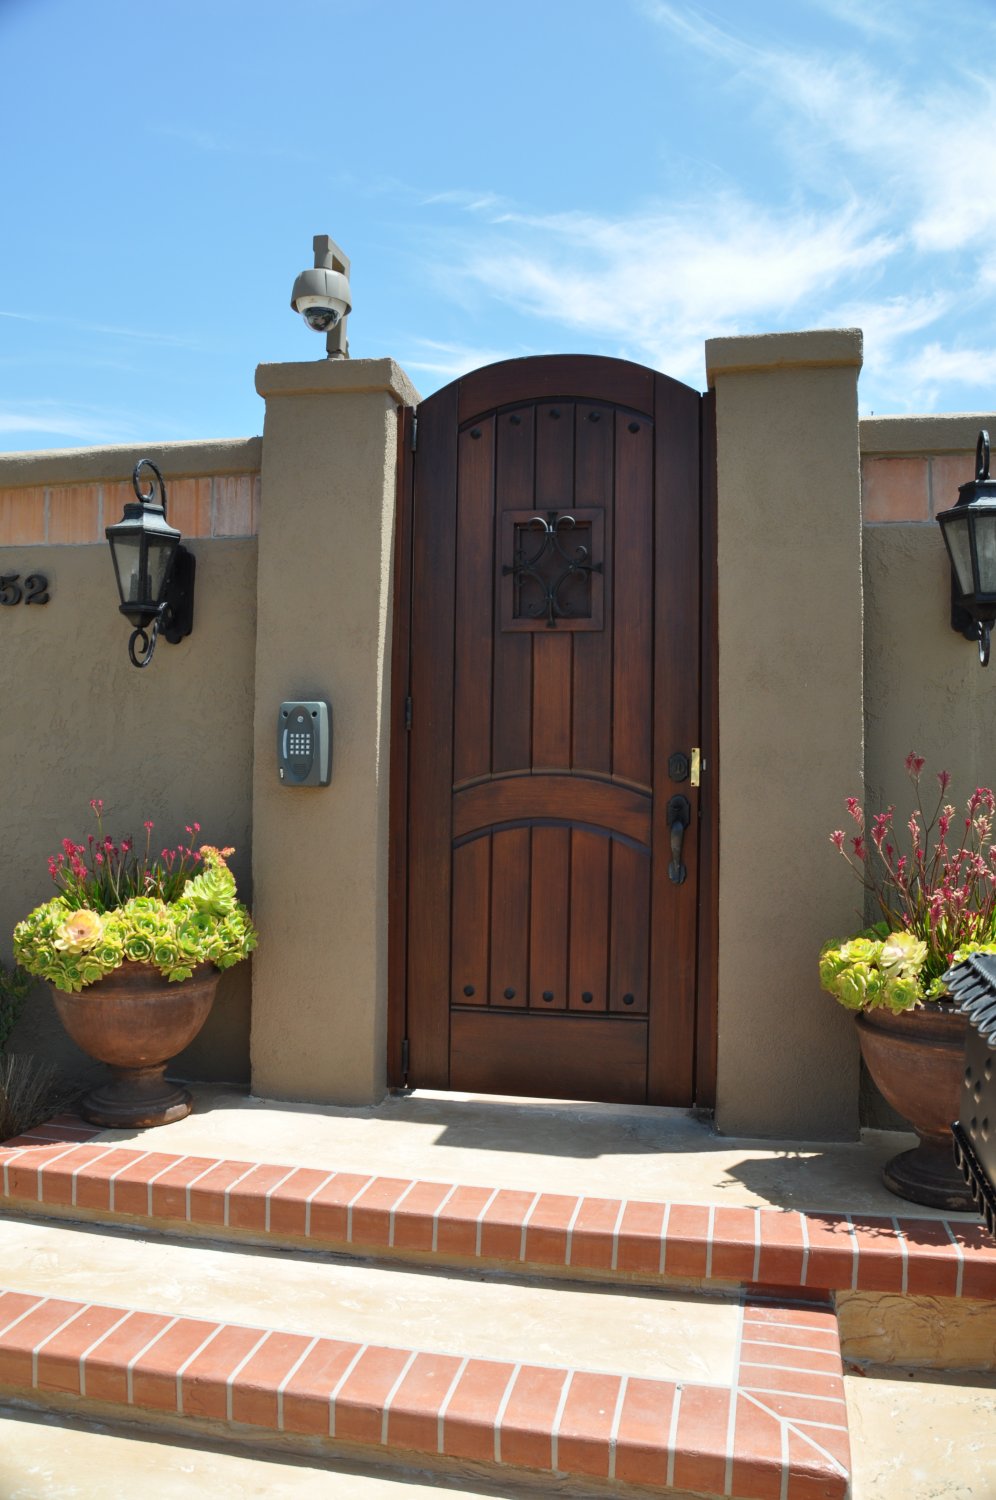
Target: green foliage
<point>14,987</point>
<point>72,946</point>
<point>883,970</point>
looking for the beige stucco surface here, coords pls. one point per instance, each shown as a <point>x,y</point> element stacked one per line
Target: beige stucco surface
<point>116,461</point>
<point>948,432</point>
<point>320,854</point>
<point>925,689</point>
<point>937,1333</point>
<point>790,716</point>
<point>172,743</point>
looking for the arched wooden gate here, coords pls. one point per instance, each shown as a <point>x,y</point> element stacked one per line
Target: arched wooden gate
<point>552,873</point>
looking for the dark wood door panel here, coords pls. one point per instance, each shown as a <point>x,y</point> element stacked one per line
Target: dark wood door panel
<point>572,799</point>
<point>555,666</point>
<point>556,375</point>
<point>555,1057</point>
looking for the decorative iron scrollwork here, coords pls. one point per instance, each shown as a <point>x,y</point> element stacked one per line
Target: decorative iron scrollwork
<point>540,572</point>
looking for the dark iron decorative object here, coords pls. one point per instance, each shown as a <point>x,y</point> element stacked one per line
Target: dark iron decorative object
<point>973,986</point>
<point>155,574</point>
<point>679,815</point>
<point>969,531</point>
<point>33,591</point>
<point>545,572</point>
<point>678,766</point>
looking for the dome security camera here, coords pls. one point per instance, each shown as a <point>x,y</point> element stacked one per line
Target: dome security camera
<point>323,298</point>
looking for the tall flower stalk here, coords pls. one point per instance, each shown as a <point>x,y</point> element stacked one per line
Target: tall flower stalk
<point>102,875</point>
<point>934,880</point>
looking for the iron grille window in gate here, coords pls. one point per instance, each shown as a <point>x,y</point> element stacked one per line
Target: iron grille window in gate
<point>552,570</point>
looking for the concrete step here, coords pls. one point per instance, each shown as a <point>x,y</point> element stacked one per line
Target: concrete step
<point>69,1170</point>
<point>573,1386</point>
<point>54,1455</point>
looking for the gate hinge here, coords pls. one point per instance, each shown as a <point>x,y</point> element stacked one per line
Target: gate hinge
<point>404,1060</point>
<point>408,713</point>
<point>413,432</point>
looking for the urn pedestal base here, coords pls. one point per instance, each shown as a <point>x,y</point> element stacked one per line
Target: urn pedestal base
<point>136,1021</point>
<point>136,1097</point>
<point>917,1060</point>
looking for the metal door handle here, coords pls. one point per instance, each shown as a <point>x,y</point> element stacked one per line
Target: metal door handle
<point>678,818</point>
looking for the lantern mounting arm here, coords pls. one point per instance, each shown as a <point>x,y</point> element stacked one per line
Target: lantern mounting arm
<point>969,532</point>
<point>155,574</point>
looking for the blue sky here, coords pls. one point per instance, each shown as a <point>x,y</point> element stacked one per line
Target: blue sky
<point>623,177</point>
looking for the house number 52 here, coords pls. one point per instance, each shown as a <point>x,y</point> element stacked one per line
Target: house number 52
<point>33,591</point>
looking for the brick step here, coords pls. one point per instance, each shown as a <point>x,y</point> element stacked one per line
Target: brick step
<point>365,1372</point>
<point>64,1170</point>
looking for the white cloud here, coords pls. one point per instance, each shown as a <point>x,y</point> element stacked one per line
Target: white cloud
<point>930,150</point>
<point>78,326</point>
<point>661,281</point>
<point>452,360</point>
<point>50,419</point>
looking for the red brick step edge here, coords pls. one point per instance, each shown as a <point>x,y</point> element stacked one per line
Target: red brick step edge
<point>62,1166</point>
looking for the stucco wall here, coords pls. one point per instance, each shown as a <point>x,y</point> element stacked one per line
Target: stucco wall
<point>790,722</point>
<point>320,854</point>
<point>172,743</point>
<point>925,689</point>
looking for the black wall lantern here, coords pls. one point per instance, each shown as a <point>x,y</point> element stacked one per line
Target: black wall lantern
<point>155,574</point>
<point>969,531</point>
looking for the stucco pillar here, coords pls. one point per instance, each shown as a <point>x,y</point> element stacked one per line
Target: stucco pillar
<point>319,1010</point>
<point>790,723</point>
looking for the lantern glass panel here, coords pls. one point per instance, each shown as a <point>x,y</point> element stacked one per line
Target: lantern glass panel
<point>985,542</point>
<point>956,534</point>
<point>127,554</point>
<point>160,556</point>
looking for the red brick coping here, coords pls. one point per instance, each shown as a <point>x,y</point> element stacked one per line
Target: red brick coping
<point>778,1433</point>
<point>61,1165</point>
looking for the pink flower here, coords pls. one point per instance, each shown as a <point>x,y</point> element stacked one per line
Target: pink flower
<point>914,765</point>
<point>944,781</point>
<point>855,809</point>
<point>97,805</point>
<point>837,839</point>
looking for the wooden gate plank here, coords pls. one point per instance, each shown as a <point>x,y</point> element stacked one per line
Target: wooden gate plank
<point>474,603</point>
<point>510,918</point>
<point>634,559</point>
<point>513,650</point>
<point>629,942</point>
<point>549,902</point>
<point>591,727</point>
<point>431,766</point>
<point>470,969</point>
<point>674,909</point>
<point>590,901</point>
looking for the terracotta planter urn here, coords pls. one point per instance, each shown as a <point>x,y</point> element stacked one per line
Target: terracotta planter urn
<point>136,1021</point>
<point>917,1059</point>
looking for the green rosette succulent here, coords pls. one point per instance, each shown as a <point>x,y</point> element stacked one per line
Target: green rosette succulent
<point>878,969</point>
<point>73,946</point>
